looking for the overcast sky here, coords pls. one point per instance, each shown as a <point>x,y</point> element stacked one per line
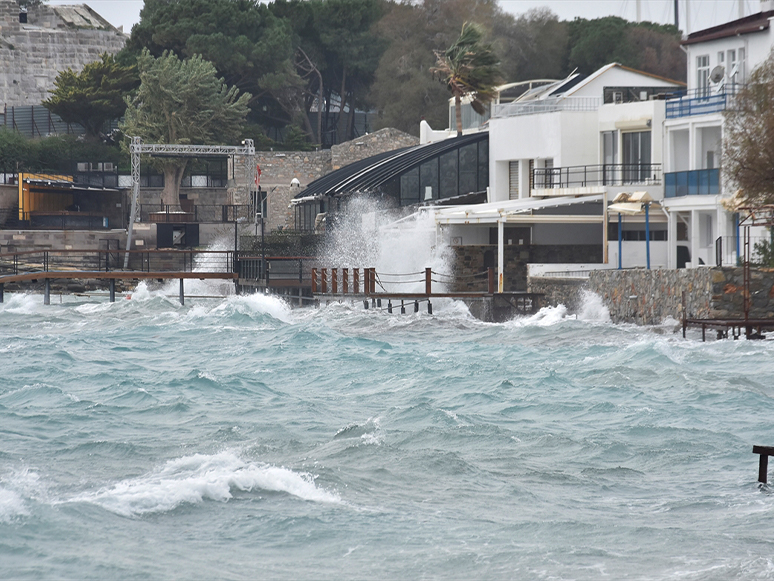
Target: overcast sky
<point>703,13</point>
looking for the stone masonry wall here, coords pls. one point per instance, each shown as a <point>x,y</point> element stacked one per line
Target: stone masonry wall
<point>54,39</point>
<point>469,261</point>
<point>560,291</point>
<point>374,143</point>
<point>647,297</point>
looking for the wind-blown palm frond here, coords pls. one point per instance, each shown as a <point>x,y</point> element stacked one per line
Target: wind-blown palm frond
<point>469,68</point>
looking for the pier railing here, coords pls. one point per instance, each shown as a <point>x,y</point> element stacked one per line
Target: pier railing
<point>102,260</point>
<point>370,283</point>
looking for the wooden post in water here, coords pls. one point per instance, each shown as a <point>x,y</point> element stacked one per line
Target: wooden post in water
<point>47,292</point>
<point>2,290</point>
<point>182,291</point>
<point>763,464</point>
<point>112,290</point>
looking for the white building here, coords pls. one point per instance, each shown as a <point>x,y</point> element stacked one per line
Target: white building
<point>558,156</point>
<point>720,59</point>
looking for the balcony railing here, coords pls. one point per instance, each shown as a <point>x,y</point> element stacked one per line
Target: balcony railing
<point>700,182</point>
<point>700,101</point>
<point>582,176</point>
<point>546,106</point>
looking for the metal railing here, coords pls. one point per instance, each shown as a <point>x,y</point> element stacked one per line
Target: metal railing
<point>550,105</point>
<point>275,269</point>
<point>700,101</point>
<point>111,260</point>
<point>214,213</point>
<point>729,250</point>
<point>596,175</point>
<point>699,182</point>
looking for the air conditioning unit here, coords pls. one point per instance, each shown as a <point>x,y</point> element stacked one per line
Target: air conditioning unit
<point>617,97</point>
<point>82,167</point>
<point>107,166</point>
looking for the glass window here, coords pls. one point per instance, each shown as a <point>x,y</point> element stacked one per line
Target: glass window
<point>483,165</point>
<point>702,75</point>
<point>468,169</point>
<point>609,155</point>
<point>428,180</point>
<point>449,187</point>
<point>636,156</point>
<point>409,187</point>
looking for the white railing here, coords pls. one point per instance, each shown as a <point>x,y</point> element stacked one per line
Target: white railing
<point>546,106</point>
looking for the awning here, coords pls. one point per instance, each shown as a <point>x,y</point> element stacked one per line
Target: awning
<point>518,211</point>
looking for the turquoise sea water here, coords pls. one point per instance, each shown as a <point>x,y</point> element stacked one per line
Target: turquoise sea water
<point>238,439</point>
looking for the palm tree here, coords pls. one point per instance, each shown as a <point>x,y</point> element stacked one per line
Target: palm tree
<point>469,67</point>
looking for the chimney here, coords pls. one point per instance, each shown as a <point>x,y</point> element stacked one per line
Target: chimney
<point>767,5</point>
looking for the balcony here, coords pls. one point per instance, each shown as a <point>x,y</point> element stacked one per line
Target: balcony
<point>550,105</point>
<point>700,102</point>
<point>583,176</point>
<point>700,182</point>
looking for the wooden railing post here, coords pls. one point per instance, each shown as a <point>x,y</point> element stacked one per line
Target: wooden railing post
<point>356,281</point>
<point>324,281</point>
<point>345,280</point>
<point>314,281</point>
<point>490,280</point>
<point>428,282</point>
<point>334,280</point>
<point>372,280</point>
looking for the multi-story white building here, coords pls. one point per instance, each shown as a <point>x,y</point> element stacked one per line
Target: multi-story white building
<point>720,59</point>
<point>558,156</point>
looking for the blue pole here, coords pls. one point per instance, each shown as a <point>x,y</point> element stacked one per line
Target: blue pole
<point>620,236</point>
<point>647,233</point>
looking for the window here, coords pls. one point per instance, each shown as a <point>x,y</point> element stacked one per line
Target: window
<point>609,155</point>
<point>702,75</point>
<point>409,187</point>
<point>449,186</point>
<point>741,75</point>
<point>513,180</point>
<point>636,156</point>
<point>468,169</point>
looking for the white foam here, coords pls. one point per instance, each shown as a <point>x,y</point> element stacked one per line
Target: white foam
<point>545,317</point>
<point>22,304</point>
<point>193,479</point>
<point>11,505</point>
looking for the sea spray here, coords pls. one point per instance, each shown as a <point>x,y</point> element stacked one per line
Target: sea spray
<point>370,235</point>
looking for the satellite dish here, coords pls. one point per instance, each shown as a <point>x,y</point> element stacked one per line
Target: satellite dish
<point>717,74</point>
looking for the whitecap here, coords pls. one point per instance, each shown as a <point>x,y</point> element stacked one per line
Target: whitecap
<point>192,479</point>
<point>11,505</point>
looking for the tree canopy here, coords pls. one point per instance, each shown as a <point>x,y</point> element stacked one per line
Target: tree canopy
<point>182,101</point>
<point>94,96</point>
<point>748,142</point>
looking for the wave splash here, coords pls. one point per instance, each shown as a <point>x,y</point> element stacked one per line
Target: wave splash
<point>192,479</point>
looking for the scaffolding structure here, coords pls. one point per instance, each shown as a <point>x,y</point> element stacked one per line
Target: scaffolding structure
<point>138,148</point>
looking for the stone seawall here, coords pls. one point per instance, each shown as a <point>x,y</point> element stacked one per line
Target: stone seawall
<point>648,297</point>
<point>560,291</point>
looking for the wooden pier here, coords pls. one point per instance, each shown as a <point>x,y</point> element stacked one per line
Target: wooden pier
<point>371,287</point>
<point>106,265</point>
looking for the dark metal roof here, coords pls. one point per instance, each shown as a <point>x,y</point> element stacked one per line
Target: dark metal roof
<point>372,172</point>
<point>746,25</point>
<point>64,185</point>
